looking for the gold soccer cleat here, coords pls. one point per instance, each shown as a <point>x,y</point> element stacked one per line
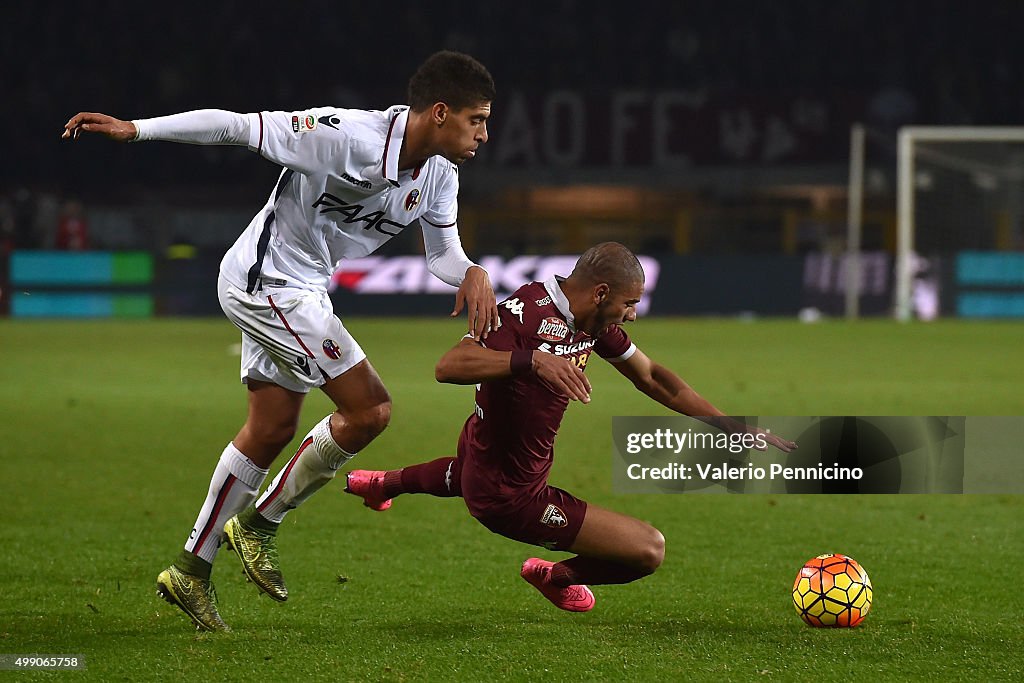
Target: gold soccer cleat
<point>195,597</point>
<point>258,552</point>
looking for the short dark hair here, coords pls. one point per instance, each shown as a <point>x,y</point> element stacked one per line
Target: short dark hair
<point>609,262</point>
<point>451,77</point>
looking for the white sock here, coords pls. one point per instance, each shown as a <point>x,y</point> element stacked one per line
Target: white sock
<point>235,482</point>
<point>315,463</point>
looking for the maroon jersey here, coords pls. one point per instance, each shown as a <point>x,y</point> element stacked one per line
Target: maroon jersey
<point>507,445</point>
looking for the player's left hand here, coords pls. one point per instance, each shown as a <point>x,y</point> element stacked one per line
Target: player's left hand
<point>477,296</point>
<point>783,445</point>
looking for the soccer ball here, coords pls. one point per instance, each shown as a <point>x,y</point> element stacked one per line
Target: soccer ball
<point>832,591</point>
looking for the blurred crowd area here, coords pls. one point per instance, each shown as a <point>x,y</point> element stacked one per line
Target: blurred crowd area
<point>958,63</point>
<point>912,61</point>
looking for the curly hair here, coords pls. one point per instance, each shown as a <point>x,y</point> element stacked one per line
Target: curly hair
<point>451,77</point>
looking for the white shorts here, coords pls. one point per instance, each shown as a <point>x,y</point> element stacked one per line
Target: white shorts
<point>290,336</point>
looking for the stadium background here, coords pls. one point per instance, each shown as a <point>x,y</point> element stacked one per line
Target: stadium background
<point>714,136</point>
<point>715,140</point>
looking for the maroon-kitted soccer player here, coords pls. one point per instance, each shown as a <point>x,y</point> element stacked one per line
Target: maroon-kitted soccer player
<point>526,372</point>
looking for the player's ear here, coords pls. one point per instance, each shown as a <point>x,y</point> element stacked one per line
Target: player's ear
<point>439,112</point>
<point>601,293</point>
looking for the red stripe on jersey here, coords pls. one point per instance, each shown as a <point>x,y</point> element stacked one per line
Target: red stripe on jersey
<point>259,147</point>
<point>289,327</point>
<point>284,477</point>
<point>221,497</point>
<point>387,143</point>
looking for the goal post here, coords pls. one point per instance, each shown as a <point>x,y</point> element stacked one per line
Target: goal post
<point>864,268</point>
<point>854,218</point>
<point>975,177</point>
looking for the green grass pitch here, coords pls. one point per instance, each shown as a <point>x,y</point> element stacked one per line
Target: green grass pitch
<point>110,430</point>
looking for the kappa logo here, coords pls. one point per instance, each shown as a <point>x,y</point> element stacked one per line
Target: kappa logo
<point>302,363</point>
<point>448,476</point>
<point>553,329</point>
<point>332,349</point>
<point>516,306</point>
<point>554,517</point>
<point>412,199</point>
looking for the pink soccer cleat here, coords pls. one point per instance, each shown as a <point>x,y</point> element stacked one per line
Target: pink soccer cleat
<point>368,485</point>
<point>537,573</point>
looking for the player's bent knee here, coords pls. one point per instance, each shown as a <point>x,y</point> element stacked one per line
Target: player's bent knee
<point>658,548</point>
<point>652,553</point>
<point>372,421</point>
<point>380,417</point>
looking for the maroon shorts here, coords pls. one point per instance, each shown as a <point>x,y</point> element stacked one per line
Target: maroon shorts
<point>550,517</point>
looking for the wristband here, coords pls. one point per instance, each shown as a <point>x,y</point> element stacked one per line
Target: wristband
<point>521,362</point>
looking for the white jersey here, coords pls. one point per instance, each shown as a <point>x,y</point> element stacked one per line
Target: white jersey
<point>339,196</point>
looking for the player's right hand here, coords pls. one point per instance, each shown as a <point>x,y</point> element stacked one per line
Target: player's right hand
<point>561,376</point>
<point>90,122</point>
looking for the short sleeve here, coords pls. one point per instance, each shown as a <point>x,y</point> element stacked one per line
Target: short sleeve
<point>615,345</point>
<point>444,212</point>
<point>307,141</point>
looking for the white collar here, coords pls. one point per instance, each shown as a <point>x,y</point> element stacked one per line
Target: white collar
<point>559,299</point>
<point>398,118</point>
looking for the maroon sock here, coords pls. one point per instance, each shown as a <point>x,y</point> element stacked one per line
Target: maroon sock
<point>393,483</point>
<point>592,571</point>
<point>441,478</point>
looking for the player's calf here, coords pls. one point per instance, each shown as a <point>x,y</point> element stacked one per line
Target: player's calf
<point>613,548</point>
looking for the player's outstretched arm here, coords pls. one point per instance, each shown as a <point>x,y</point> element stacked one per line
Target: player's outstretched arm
<point>665,386</point>
<point>199,127</point>
<point>470,363</point>
<point>91,122</point>
<point>670,390</point>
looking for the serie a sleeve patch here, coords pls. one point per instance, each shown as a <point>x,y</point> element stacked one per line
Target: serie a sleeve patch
<point>303,122</point>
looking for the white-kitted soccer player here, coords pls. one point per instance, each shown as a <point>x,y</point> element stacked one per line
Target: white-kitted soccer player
<point>351,180</point>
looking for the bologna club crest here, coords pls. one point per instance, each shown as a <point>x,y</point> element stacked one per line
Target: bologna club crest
<point>412,199</point>
<point>332,349</point>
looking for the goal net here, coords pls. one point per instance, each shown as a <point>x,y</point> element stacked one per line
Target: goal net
<point>960,190</point>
